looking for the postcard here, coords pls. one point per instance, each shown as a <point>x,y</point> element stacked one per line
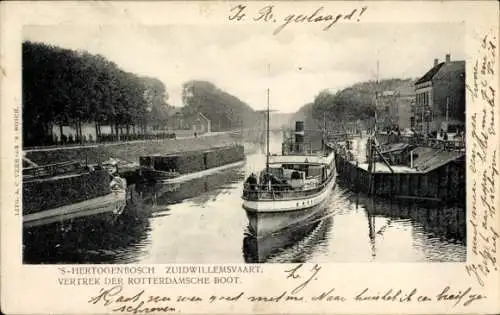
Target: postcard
<point>249,157</point>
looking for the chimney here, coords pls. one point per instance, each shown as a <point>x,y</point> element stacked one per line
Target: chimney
<point>447,57</point>
<point>436,61</point>
<point>299,136</point>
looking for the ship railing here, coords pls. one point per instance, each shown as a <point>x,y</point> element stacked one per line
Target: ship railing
<point>452,144</point>
<point>421,141</point>
<point>277,192</point>
<point>307,149</point>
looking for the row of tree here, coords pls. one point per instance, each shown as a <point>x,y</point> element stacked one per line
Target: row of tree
<point>67,87</point>
<point>63,87</point>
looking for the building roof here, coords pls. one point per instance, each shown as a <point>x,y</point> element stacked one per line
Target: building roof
<point>393,147</point>
<point>430,159</point>
<point>443,70</point>
<point>430,74</point>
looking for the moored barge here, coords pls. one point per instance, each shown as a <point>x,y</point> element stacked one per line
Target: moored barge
<point>184,166</point>
<point>65,192</point>
<point>433,174</point>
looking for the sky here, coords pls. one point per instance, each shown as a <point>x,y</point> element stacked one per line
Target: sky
<point>243,60</point>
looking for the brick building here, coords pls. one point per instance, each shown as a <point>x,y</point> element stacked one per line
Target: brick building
<point>440,97</point>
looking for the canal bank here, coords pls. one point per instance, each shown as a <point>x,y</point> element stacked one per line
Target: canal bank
<point>128,151</point>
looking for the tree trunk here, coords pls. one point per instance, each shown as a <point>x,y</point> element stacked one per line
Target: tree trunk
<point>60,132</point>
<point>81,131</point>
<point>118,132</point>
<point>96,130</point>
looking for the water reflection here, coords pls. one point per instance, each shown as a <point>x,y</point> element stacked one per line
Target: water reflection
<point>400,231</point>
<point>447,224</point>
<point>159,195</point>
<point>289,245</point>
<point>91,241</point>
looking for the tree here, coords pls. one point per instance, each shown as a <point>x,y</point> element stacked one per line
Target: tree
<point>224,110</point>
<point>62,86</point>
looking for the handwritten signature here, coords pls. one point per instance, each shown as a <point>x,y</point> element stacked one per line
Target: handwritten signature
<point>296,273</point>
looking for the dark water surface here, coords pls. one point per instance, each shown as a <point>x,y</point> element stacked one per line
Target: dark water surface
<point>202,221</point>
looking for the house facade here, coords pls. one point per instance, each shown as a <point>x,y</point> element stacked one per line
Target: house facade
<point>394,107</point>
<point>197,122</point>
<point>440,97</point>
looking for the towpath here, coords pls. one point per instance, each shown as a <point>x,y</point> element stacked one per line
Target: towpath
<point>108,144</point>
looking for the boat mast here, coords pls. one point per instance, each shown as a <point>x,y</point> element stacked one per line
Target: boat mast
<point>323,141</point>
<point>376,96</point>
<point>267,142</point>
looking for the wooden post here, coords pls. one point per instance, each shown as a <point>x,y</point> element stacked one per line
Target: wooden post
<point>400,180</point>
<point>393,176</point>
<point>372,184</point>
<point>447,182</point>
<point>370,156</point>
<point>436,183</point>
<point>357,176</point>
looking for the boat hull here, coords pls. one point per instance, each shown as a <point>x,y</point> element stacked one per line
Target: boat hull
<point>290,205</point>
<point>107,207</point>
<point>265,223</point>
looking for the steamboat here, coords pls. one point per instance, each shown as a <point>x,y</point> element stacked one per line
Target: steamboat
<point>292,188</point>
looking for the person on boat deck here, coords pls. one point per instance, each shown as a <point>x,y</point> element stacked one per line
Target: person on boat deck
<point>252,181</point>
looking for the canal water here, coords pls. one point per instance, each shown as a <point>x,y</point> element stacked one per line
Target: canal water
<point>202,221</point>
